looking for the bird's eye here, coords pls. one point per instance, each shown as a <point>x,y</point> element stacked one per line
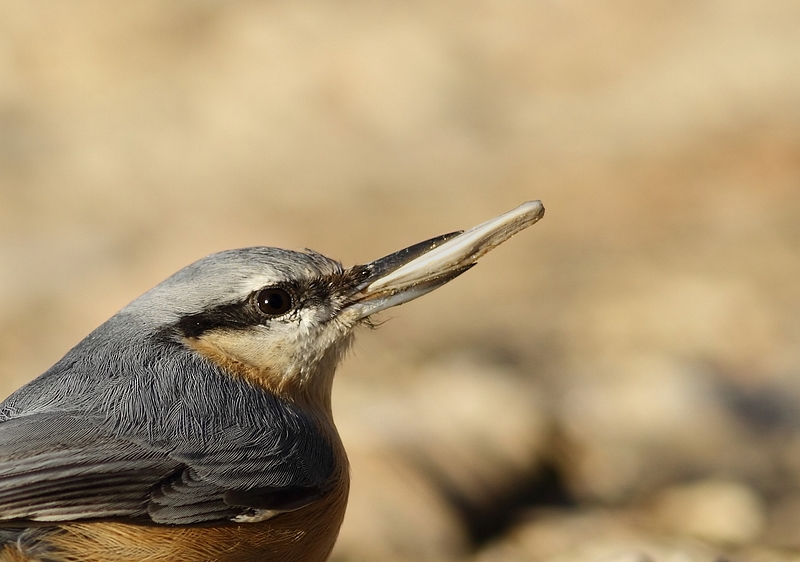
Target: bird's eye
<point>274,301</point>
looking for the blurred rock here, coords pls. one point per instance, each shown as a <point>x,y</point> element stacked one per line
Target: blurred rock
<point>457,435</point>
<point>716,510</point>
<point>592,536</point>
<point>475,427</point>
<point>395,511</point>
<point>600,535</point>
<point>631,424</point>
<point>637,423</point>
<point>783,529</point>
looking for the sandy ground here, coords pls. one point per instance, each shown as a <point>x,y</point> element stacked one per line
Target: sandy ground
<point>621,382</point>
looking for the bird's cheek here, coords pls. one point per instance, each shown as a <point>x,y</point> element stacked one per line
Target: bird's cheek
<point>247,353</point>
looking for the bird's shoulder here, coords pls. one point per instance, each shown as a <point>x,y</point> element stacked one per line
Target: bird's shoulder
<point>203,445</point>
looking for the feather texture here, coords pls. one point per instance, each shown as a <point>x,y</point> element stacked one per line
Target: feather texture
<point>160,433</point>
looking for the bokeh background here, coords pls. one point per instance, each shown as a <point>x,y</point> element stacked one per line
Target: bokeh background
<point>621,382</point>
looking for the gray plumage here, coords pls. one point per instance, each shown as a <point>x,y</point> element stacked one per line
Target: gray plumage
<point>131,423</point>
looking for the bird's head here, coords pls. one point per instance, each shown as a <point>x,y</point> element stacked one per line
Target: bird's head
<point>284,319</point>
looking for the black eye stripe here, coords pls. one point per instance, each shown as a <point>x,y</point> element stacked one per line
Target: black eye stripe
<point>247,313</point>
<point>235,316</point>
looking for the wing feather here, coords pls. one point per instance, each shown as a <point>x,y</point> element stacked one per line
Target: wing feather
<point>152,430</point>
<point>75,472</point>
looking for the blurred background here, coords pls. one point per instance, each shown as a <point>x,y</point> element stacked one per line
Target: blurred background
<point>620,382</point>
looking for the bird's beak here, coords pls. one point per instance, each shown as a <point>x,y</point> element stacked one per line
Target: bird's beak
<point>421,268</point>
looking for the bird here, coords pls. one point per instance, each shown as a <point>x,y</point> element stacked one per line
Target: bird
<point>195,425</point>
